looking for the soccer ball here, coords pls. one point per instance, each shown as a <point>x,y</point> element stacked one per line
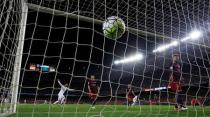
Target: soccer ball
<point>113,27</point>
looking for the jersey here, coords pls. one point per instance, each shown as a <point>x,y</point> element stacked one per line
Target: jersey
<point>93,89</point>
<point>62,91</point>
<point>92,84</point>
<point>130,94</point>
<point>176,76</point>
<point>193,102</point>
<point>176,71</point>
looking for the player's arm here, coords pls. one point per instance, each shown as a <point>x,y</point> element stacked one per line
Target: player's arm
<point>133,93</point>
<point>170,78</point>
<point>89,86</point>
<point>62,86</point>
<point>171,74</point>
<point>98,87</point>
<point>126,93</point>
<point>70,89</point>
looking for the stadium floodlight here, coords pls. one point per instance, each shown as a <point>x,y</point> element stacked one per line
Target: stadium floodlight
<point>130,59</point>
<point>161,48</point>
<point>164,47</point>
<point>195,34</point>
<point>174,43</point>
<point>156,89</point>
<point>185,39</point>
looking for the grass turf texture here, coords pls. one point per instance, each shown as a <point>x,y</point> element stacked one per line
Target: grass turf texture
<point>84,110</point>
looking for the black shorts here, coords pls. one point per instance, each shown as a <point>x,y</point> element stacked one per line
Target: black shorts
<point>180,98</point>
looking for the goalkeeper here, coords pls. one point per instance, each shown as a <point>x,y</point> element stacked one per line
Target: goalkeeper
<point>175,82</point>
<point>61,97</point>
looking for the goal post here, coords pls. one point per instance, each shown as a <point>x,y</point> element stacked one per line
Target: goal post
<point>18,57</point>
<point>13,22</point>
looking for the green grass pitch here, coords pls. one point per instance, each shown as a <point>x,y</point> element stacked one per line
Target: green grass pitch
<point>84,110</point>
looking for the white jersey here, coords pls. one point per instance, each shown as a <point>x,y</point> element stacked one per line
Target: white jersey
<point>135,99</point>
<point>63,89</point>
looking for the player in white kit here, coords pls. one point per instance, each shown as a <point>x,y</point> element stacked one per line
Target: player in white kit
<point>61,97</point>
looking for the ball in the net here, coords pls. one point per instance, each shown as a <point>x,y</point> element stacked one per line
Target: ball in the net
<point>113,27</point>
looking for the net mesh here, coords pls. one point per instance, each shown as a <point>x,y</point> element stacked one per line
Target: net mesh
<point>64,41</point>
<point>9,32</point>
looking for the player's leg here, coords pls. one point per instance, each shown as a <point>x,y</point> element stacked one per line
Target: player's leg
<point>57,100</point>
<point>180,101</point>
<point>200,103</point>
<point>93,100</point>
<point>133,103</point>
<point>93,104</point>
<point>129,101</point>
<point>63,100</point>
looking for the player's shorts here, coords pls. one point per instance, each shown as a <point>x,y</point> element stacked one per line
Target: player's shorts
<point>93,93</point>
<point>175,86</point>
<point>180,98</point>
<point>60,97</point>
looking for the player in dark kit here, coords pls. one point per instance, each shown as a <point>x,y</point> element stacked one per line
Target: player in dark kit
<point>93,90</point>
<point>130,95</point>
<point>196,101</point>
<point>175,82</point>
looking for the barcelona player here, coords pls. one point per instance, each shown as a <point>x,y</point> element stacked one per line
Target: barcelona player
<point>196,101</point>
<point>93,90</point>
<point>130,95</point>
<point>175,82</point>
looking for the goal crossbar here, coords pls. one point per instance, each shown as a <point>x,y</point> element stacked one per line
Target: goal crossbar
<point>97,21</point>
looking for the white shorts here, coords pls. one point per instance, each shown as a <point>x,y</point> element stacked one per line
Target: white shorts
<point>60,97</point>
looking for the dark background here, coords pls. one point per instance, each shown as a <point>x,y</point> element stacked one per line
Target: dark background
<point>78,49</point>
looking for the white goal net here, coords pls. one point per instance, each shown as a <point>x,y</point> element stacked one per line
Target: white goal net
<point>53,53</point>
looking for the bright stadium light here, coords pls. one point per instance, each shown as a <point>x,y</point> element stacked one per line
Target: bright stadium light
<point>164,47</point>
<point>161,48</point>
<point>116,62</point>
<point>129,59</point>
<point>195,34</point>
<point>174,43</point>
<point>185,39</point>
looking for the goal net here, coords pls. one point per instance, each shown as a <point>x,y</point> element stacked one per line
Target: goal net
<point>12,20</point>
<point>159,67</point>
